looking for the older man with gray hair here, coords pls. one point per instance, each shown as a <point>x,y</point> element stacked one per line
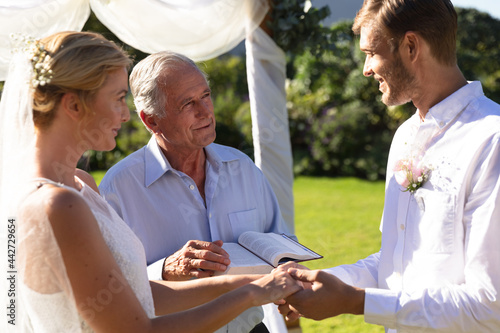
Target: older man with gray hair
<point>182,194</point>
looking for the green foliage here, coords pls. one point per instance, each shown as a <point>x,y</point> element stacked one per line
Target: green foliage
<point>338,124</point>
<point>477,49</point>
<point>296,31</point>
<point>228,82</point>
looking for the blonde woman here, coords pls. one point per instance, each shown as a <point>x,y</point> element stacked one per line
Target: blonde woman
<point>80,266</point>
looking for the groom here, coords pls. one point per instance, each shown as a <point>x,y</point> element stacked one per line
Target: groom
<point>438,268</point>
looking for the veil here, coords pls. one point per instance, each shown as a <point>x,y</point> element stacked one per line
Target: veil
<point>31,266</point>
<point>16,136</point>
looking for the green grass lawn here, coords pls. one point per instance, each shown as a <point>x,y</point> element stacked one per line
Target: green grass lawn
<point>98,175</point>
<point>338,218</point>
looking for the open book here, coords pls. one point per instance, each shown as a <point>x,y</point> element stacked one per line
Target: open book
<point>259,253</point>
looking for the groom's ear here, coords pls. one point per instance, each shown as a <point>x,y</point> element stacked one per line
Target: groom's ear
<point>72,106</point>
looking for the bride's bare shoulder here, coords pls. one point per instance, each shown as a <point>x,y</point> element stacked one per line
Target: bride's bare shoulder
<point>59,204</point>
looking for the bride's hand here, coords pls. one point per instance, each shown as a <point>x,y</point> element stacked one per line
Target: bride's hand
<point>291,264</point>
<point>275,287</point>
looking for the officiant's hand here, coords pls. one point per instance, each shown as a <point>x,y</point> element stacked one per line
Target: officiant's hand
<point>196,259</point>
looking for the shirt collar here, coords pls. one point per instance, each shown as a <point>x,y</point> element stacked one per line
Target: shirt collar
<point>446,110</point>
<point>217,155</point>
<point>156,164</point>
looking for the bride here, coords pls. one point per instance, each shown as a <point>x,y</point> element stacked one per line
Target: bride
<point>79,267</point>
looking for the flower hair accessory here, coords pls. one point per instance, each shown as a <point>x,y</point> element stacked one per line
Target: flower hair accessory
<point>411,174</point>
<point>40,60</point>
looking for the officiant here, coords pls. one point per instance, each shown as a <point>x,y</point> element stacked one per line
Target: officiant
<point>182,194</point>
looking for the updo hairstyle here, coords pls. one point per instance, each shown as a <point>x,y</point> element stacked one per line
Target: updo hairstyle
<point>80,63</point>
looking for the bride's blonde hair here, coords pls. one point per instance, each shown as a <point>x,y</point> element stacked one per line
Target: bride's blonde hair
<point>80,63</point>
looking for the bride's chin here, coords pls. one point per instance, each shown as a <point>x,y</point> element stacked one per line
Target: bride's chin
<point>106,147</point>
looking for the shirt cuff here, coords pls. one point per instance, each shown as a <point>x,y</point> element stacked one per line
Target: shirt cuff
<point>155,270</point>
<point>340,273</point>
<point>381,307</point>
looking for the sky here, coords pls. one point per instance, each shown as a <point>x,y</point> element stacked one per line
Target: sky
<point>490,6</point>
<point>347,9</point>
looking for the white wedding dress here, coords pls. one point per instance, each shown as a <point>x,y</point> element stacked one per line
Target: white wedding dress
<point>46,295</point>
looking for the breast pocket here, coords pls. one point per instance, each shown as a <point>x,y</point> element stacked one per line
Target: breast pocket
<point>242,221</point>
<point>435,231</point>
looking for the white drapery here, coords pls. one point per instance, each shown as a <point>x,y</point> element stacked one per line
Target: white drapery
<point>200,29</point>
<point>271,136</point>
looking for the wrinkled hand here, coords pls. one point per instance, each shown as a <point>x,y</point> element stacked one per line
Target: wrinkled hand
<point>275,286</point>
<point>328,297</point>
<point>196,259</point>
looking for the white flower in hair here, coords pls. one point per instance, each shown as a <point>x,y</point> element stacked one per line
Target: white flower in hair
<point>40,59</point>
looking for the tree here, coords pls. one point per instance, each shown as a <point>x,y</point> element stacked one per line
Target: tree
<point>478,53</point>
<point>339,126</point>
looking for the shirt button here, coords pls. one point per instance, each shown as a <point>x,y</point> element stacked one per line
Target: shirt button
<point>191,187</point>
<point>210,215</point>
<point>402,226</point>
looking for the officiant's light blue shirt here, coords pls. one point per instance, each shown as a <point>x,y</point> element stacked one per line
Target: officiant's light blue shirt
<point>165,209</point>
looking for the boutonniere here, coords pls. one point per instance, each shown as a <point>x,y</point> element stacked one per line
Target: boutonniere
<point>411,173</point>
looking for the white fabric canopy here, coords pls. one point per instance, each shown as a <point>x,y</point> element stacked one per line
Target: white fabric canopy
<point>200,29</point>
<point>37,18</point>
<point>266,76</point>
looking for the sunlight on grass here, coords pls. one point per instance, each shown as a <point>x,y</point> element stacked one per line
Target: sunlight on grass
<point>338,218</point>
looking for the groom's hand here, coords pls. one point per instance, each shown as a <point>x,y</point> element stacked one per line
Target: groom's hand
<point>327,297</point>
<point>290,313</point>
<point>195,259</point>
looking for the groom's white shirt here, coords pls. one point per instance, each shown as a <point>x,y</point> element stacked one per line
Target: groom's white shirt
<point>439,263</point>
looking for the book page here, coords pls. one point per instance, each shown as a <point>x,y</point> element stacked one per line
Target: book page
<point>295,247</point>
<point>243,261</point>
<point>272,247</point>
<point>240,256</point>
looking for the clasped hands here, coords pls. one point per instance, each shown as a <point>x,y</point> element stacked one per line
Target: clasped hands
<point>322,295</point>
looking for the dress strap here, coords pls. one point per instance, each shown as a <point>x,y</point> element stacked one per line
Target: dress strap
<point>39,182</point>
